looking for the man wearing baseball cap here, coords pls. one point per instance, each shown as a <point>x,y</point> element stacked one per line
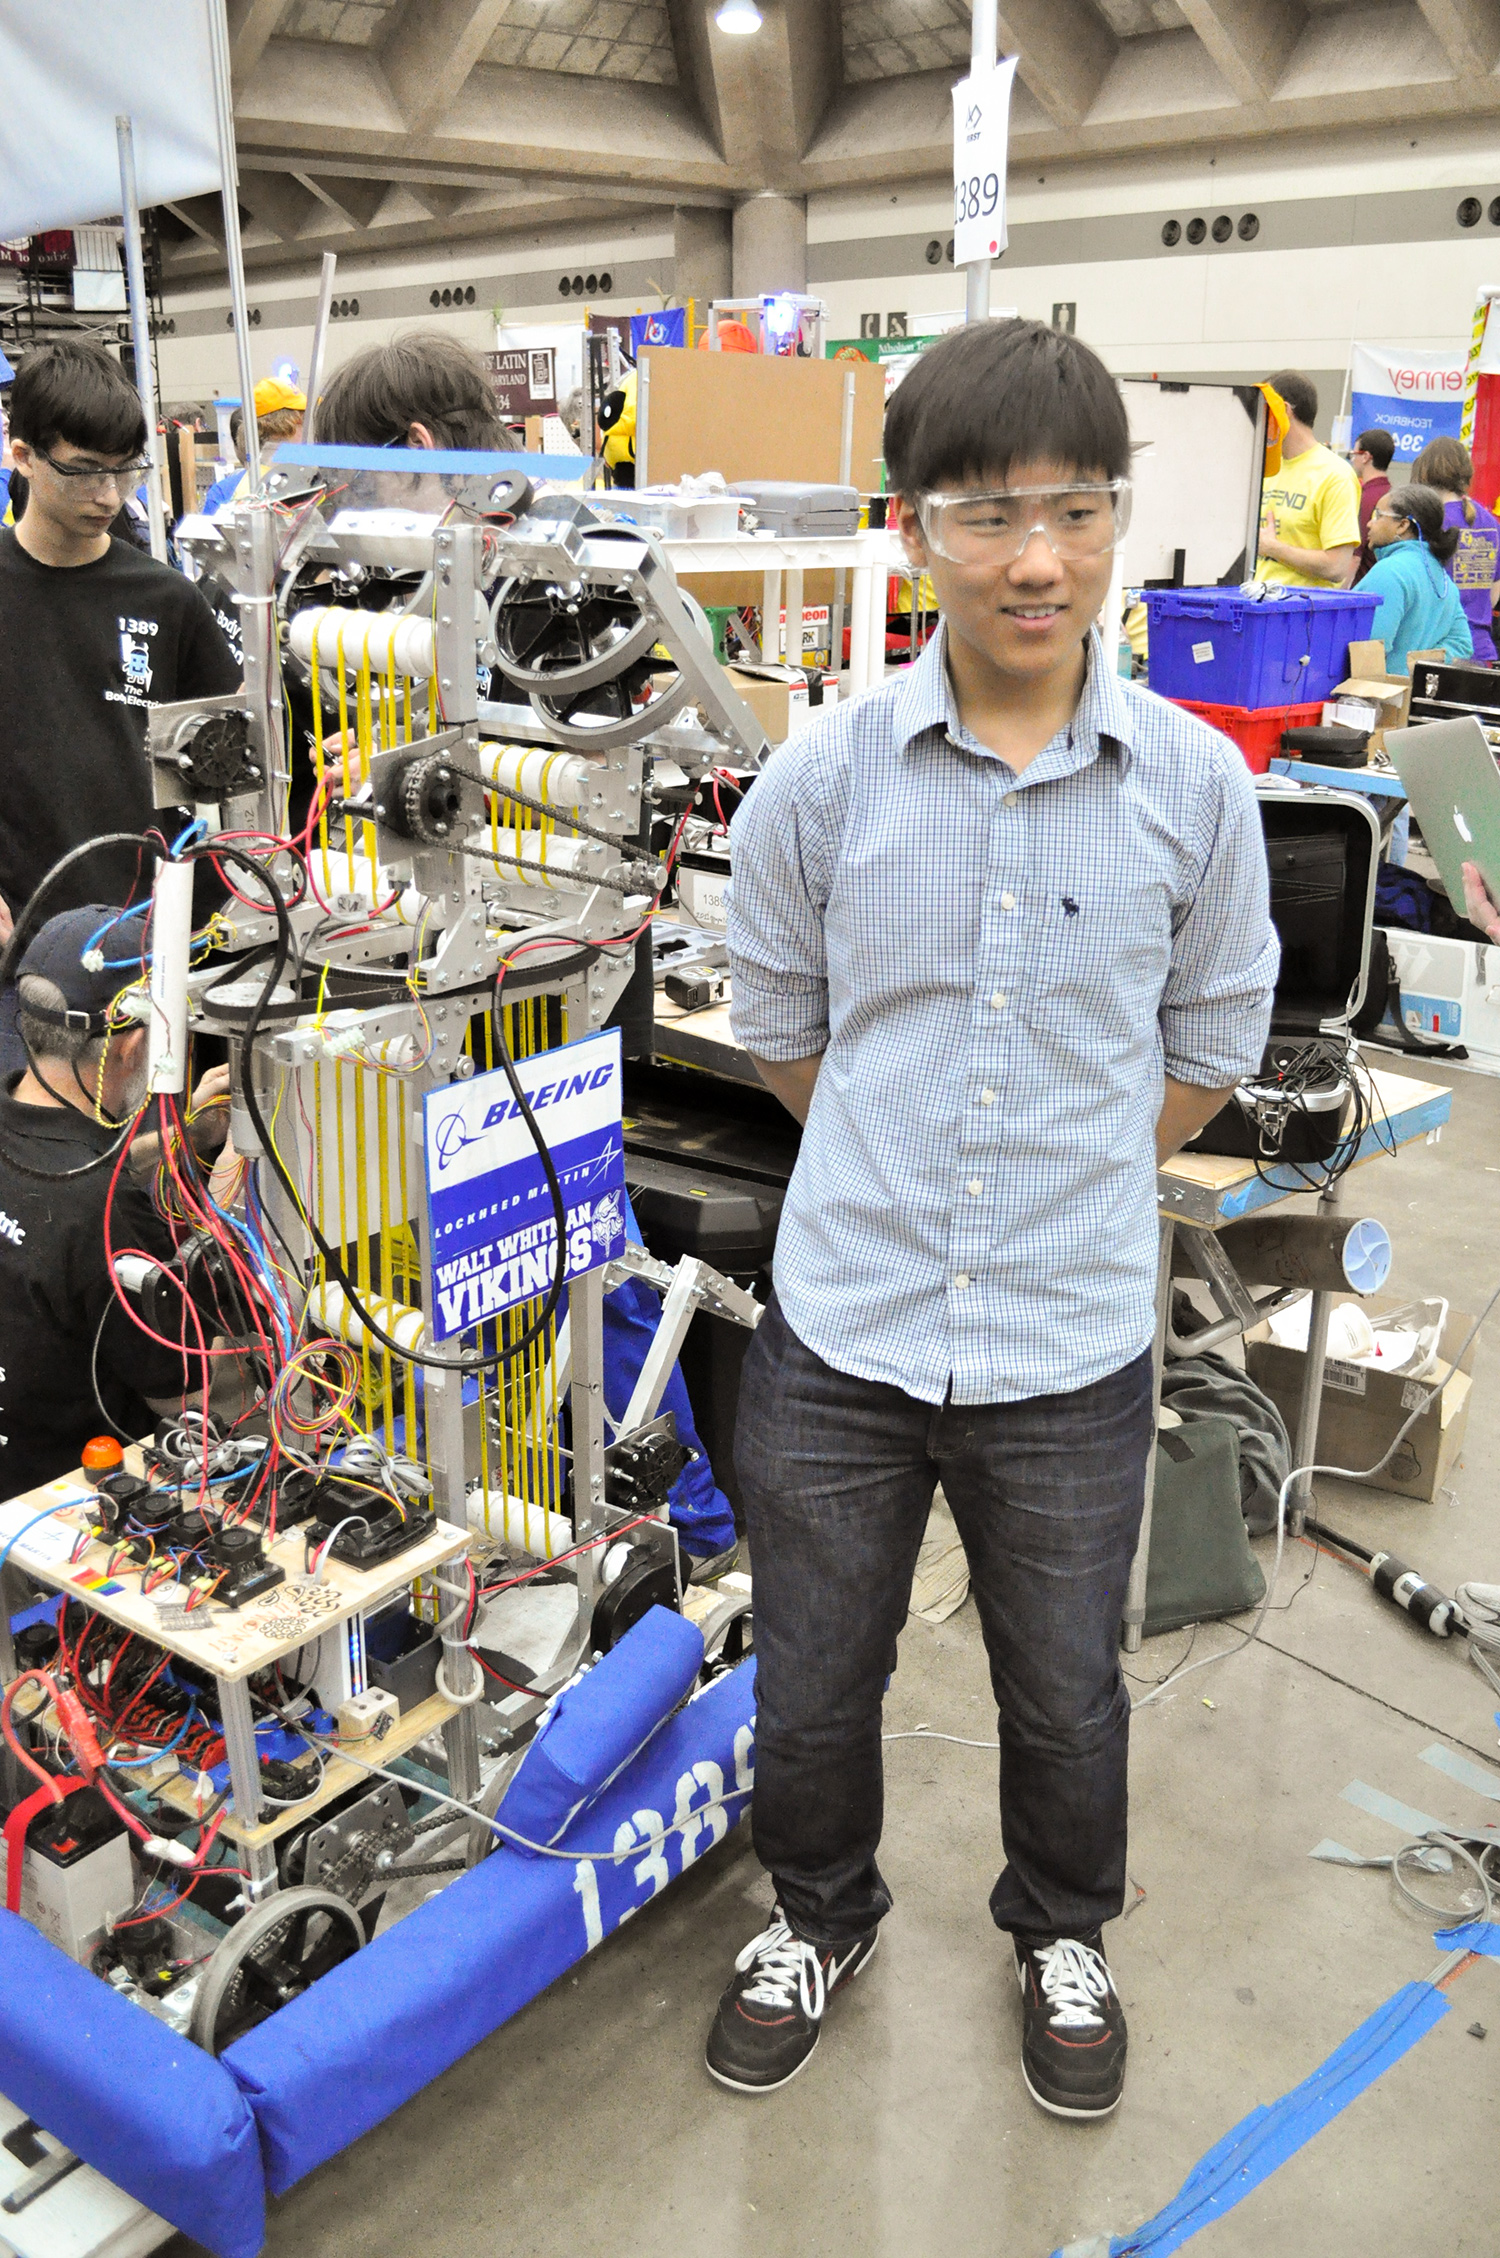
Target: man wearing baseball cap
<point>71,1362</point>
<point>279,410</point>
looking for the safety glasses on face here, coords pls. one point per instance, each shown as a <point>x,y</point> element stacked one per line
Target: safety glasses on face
<point>1076,522</point>
<point>125,480</point>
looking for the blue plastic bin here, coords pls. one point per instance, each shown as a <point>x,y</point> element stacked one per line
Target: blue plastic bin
<point>1215,645</point>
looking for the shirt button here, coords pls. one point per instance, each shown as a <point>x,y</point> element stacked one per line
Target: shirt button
<point>1007,901</point>
<point>961,1278</point>
<point>975,1187</point>
<point>986,1097</point>
<point>997,1000</point>
<point>1009,800</point>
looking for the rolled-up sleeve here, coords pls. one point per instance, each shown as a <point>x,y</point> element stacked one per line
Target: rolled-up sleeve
<point>1216,1005</point>
<point>777,952</point>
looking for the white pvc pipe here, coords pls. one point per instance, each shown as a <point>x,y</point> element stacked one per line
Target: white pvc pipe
<point>328,1307</point>
<point>516,1522</point>
<point>171,942</point>
<point>558,779</point>
<point>380,637</point>
<point>546,859</point>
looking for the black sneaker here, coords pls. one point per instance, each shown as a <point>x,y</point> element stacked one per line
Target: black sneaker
<point>1073,2040</point>
<point>769,2018</point>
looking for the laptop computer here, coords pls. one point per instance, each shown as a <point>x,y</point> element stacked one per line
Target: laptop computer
<point>1453,784</point>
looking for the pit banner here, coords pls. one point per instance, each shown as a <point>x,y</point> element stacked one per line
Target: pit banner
<point>666,328</point>
<point>1414,395</point>
<point>494,1230</point>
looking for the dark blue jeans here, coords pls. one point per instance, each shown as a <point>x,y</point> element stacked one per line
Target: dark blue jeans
<point>837,1475</point>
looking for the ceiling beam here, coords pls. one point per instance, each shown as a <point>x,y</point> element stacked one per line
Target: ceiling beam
<point>356,200</point>
<point>280,202</point>
<point>1469,31</point>
<point>761,100</point>
<point>1066,49</point>
<point>251,24</point>
<point>203,216</point>
<point>1250,40</point>
<point>429,56</point>
<point>310,102</point>
<point>520,217</point>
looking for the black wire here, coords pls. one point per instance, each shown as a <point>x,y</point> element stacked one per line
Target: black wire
<point>502,1354</point>
<point>1332,1537</point>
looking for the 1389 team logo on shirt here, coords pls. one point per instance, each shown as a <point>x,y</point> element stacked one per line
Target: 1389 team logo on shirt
<point>135,660</point>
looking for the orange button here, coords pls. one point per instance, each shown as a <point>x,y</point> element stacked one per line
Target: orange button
<point>101,1455</point>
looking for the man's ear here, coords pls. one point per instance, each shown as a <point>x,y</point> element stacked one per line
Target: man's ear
<point>908,527</point>
<point>418,435</point>
<point>129,1047</point>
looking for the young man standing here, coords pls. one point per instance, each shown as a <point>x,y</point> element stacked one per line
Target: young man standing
<point>1309,520</point>
<point>999,937</point>
<point>91,633</point>
<point>1370,459</point>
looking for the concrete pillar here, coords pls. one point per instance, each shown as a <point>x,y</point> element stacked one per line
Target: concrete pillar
<point>700,255</point>
<point>770,244</point>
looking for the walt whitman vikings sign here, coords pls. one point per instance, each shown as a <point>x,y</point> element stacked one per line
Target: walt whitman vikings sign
<point>494,1229</point>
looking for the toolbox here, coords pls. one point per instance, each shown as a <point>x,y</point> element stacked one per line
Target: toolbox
<point>797,510</point>
<point>1443,691</point>
<point>1323,852</point>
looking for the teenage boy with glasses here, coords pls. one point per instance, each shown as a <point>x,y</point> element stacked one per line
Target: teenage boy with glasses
<point>91,633</point>
<point>1000,939</point>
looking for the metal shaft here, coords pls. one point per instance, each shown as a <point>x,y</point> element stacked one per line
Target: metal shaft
<point>320,342</point>
<point>140,336</point>
<point>229,182</point>
<point>982,51</point>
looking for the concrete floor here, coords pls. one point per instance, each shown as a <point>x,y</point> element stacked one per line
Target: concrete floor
<point>589,2122</point>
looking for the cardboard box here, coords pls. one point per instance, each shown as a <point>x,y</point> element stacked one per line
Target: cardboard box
<point>1363,1405</point>
<point>779,697</point>
<point>1369,697</point>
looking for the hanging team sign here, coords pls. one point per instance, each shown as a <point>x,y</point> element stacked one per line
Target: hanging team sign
<point>981,137</point>
<point>489,1208</point>
<point>1414,395</point>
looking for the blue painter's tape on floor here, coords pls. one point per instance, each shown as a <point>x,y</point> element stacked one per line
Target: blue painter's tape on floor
<point>1459,1768</point>
<point>1382,1806</point>
<point>1267,2137</point>
<point>1474,1936</point>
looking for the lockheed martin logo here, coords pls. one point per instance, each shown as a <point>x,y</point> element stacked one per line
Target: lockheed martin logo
<point>975,118</point>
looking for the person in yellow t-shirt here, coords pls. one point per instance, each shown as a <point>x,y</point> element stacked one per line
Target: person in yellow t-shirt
<point>1309,520</point>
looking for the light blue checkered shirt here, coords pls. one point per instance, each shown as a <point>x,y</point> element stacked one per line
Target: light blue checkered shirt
<point>997,969</point>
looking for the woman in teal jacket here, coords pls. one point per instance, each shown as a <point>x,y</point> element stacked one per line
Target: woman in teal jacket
<point>1419,605</point>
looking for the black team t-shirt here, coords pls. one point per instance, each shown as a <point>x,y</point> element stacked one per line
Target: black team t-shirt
<point>56,1300</point>
<point>84,649</point>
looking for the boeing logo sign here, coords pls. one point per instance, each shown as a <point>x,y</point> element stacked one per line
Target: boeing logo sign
<point>490,1210</point>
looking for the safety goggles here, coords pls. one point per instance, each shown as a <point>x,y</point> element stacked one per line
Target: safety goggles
<point>125,480</point>
<point>1076,522</point>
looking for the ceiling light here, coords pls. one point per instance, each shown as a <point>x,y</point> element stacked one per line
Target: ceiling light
<point>739,16</point>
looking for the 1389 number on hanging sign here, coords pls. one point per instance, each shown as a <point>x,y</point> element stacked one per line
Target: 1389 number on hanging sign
<point>975,198</point>
<point>981,136</point>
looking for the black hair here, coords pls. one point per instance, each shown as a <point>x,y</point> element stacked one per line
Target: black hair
<point>1423,507</point>
<point>996,395</point>
<point>422,377</point>
<point>73,390</point>
<point>1378,445</point>
<point>1299,392</point>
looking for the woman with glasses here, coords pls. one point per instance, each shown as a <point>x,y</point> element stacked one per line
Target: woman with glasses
<point>92,632</point>
<point>1419,605</point>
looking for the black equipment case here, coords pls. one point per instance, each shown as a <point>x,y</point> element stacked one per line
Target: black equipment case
<point>1323,851</point>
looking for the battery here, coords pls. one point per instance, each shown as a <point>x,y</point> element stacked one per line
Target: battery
<point>76,1875</point>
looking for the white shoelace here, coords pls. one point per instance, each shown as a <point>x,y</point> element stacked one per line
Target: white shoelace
<point>1072,1976</point>
<point>786,1968</point>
